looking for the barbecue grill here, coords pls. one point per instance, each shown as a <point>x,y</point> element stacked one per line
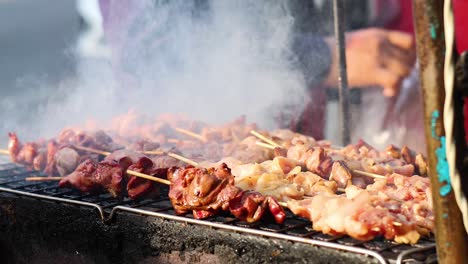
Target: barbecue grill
<point>294,241</point>
<point>50,224</point>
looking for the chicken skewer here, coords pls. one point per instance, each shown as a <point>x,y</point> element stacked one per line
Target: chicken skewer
<point>204,213</point>
<point>393,159</point>
<point>363,173</point>
<point>202,191</point>
<point>245,205</point>
<point>393,229</point>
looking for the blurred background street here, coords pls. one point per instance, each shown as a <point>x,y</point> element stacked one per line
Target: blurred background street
<point>36,41</point>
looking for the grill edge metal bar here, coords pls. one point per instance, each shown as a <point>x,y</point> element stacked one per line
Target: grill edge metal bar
<point>309,238</point>
<point>403,254</point>
<point>56,199</point>
<point>376,255</point>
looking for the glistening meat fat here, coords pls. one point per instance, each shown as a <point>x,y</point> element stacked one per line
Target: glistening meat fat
<point>205,192</point>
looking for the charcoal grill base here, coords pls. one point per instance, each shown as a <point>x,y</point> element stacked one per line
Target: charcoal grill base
<point>38,231</point>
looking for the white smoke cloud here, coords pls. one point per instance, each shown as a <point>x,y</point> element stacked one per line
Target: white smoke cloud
<point>213,62</point>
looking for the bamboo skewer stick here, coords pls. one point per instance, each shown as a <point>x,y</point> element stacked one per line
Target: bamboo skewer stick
<point>134,173</point>
<point>104,153</point>
<point>148,177</point>
<point>184,159</point>
<point>369,174</point>
<point>190,134</point>
<point>265,139</point>
<point>264,145</point>
<point>152,152</point>
<point>43,178</point>
<point>4,151</point>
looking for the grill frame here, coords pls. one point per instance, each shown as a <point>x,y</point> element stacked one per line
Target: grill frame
<point>12,181</point>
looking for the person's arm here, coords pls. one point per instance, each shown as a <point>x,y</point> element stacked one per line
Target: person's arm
<point>374,57</point>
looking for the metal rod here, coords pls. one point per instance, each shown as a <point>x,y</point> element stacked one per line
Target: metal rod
<point>55,199</point>
<point>363,251</point>
<point>451,237</point>
<point>338,18</point>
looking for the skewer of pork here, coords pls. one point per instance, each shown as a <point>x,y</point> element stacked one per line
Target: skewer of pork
<point>398,208</point>
<point>280,178</point>
<point>205,192</point>
<point>58,156</point>
<point>201,210</point>
<point>62,155</point>
<point>318,162</point>
<point>110,175</point>
<point>120,174</point>
<point>392,159</point>
<point>344,170</point>
<point>289,182</point>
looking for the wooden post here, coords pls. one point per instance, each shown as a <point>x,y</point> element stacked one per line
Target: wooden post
<point>452,242</point>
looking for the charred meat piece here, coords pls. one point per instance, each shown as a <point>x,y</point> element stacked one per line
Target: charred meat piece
<point>82,178</point>
<point>52,148</point>
<point>251,206</point>
<point>144,145</point>
<point>421,165</point>
<point>14,146</point>
<point>40,161</point>
<point>205,192</point>
<point>139,187</point>
<point>164,161</point>
<point>393,151</point>
<point>58,156</point>
<point>408,155</point>
<point>66,160</point>
<point>341,174</point>
<point>110,175</point>
<point>319,162</point>
<point>27,154</point>
<point>98,140</point>
<point>93,177</point>
<point>280,152</point>
<point>364,216</point>
<point>201,189</point>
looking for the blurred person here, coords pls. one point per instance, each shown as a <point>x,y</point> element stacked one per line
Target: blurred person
<point>397,120</point>
<point>375,57</point>
<point>379,60</point>
<point>461,41</point>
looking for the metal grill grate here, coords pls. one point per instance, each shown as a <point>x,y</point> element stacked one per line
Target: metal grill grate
<point>294,229</point>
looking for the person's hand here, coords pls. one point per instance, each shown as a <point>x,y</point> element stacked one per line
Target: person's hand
<point>375,57</point>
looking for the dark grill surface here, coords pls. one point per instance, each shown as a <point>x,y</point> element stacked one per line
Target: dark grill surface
<point>12,180</point>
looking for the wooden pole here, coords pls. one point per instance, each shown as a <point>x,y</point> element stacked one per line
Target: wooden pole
<point>451,237</point>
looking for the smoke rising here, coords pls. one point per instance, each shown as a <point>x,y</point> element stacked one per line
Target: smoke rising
<point>213,60</point>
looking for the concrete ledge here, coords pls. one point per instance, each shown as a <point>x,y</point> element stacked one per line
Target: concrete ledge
<point>35,231</point>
